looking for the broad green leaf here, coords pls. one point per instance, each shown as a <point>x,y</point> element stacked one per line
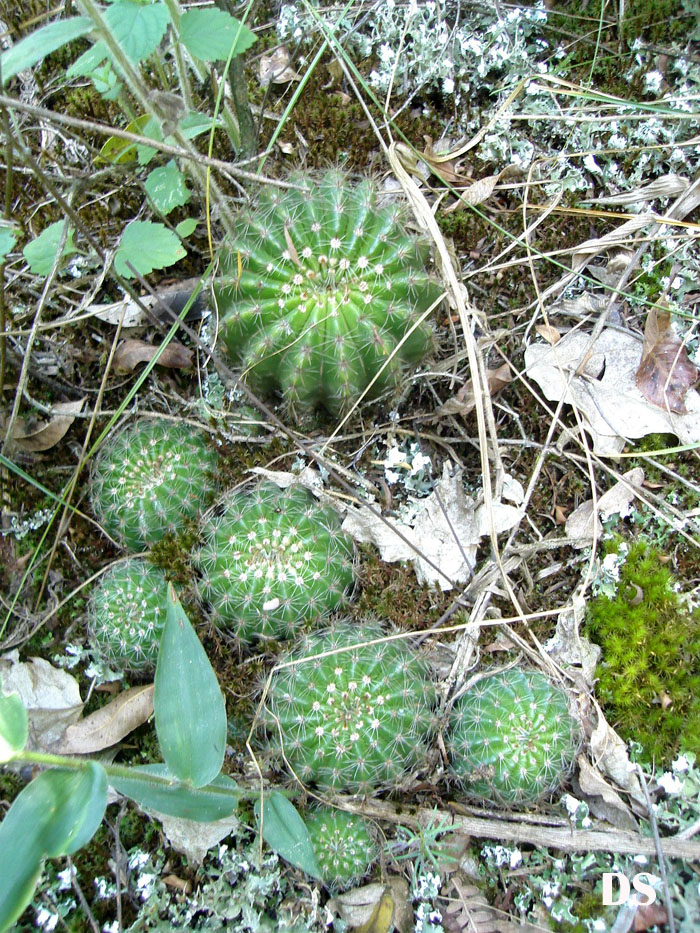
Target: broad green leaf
<point>137,28</point>
<point>166,188</point>
<point>14,726</point>
<point>202,804</point>
<point>42,42</point>
<point>119,150</point>
<point>192,124</point>
<point>54,815</point>
<point>147,246</point>
<point>41,252</point>
<point>285,832</point>
<point>86,63</point>
<point>209,34</point>
<point>189,706</point>
<point>185,227</point>
<point>7,241</point>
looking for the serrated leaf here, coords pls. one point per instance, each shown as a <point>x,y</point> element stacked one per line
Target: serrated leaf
<point>7,241</point>
<point>166,188</point>
<point>42,42</point>
<point>14,726</point>
<point>54,815</point>
<point>210,34</point>
<point>147,246</point>
<point>186,227</point>
<point>137,28</point>
<point>189,706</point>
<point>41,252</point>
<point>284,830</point>
<point>216,801</point>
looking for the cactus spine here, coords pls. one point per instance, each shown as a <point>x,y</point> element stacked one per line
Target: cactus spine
<point>512,738</point>
<point>273,560</point>
<point>149,478</point>
<point>344,846</point>
<point>322,291</point>
<point>354,720</point>
<point>127,614</point>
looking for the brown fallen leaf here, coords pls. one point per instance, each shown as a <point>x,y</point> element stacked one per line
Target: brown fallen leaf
<point>448,170</point>
<point>648,916</point>
<point>276,68</point>
<point>463,402</point>
<point>375,908</point>
<point>548,333</point>
<point>132,352</point>
<point>108,725</point>
<point>666,372</point>
<point>46,434</point>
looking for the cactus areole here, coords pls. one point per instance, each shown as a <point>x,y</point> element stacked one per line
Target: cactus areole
<point>323,292</point>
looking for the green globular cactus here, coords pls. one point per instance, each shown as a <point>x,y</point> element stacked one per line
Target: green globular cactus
<point>149,478</point>
<point>318,290</point>
<point>355,720</point>
<point>126,615</point>
<point>512,737</point>
<point>273,560</point>
<point>344,846</point>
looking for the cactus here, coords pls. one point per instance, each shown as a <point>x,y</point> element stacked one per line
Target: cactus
<point>126,615</point>
<point>273,560</point>
<point>319,288</point>
<point>344,846</point>
<point>513,739</point>
<point>149,478</point>
<point>354,720</point>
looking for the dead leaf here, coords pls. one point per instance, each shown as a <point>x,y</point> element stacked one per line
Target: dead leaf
<point>648,916</point>
<point>548,333</point>
<point>610,756</point>
<point>132,352</point>
<point>464,402</point>
<point>568,648</point>
<point>46,434</point>
<point>668,186</point>
<point>622,236</point>
<point>195,839</point>
<point>609,805</point>
<point>447,169</point>
<point>375,908</point>
<point>50,695</point>
<point>108,725</point>
<point>666,372</point>
<point>582,525</point>
<point>476,193</point>
<point>606,395</point>
<point>276,68</point>
<point>129,313</point>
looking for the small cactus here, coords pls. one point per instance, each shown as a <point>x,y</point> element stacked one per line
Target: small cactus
<point>273,560</point>
<point>512,738</point>
<point>344,846</point>
<point>319,288</point>
<point>126,615</point>
<point>149,478</point>
<point>354,720</point>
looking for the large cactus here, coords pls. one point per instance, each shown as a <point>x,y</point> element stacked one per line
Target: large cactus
<point>150,477</point>
<point>354,720</point>
<point>512,737</point>
<point>273,560</point>
<point>318,290</point>
<point>126,615</point>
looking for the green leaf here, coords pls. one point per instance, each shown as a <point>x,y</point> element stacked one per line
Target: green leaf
<point>284,830</point>
<point>186,227</point>
<point>88,61</point>
<point>192,124</point>
<point>138,29</point>
<point>54,815</point>
<point>118,150</point>
<point>41,252</point>
<point>147,246</point>
<point>189,706</point>
<point>14,726</point>
<point>7,241</point>
<point>166,188</point>
<point>210,34</point>
<point>42,42</point>
<point>202,804</point>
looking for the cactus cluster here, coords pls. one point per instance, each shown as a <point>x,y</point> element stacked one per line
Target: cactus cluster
<point>150,477</point>
<point>512,738</point>
<point>343,844</point>
<point>353,720</point>
<point>273,560</point>
<point>126,615</point>
<point>322,291</point>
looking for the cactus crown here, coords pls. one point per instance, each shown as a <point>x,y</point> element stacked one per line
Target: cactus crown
<point>354,720</point>
<point>149,478</point>
<point>513,738</point>
<point>318,290</point>
<point>273,560</point>
<point>344,846</point>
<point>126,615</point>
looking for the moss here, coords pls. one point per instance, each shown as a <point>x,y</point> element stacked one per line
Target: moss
<point>649,677</point>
